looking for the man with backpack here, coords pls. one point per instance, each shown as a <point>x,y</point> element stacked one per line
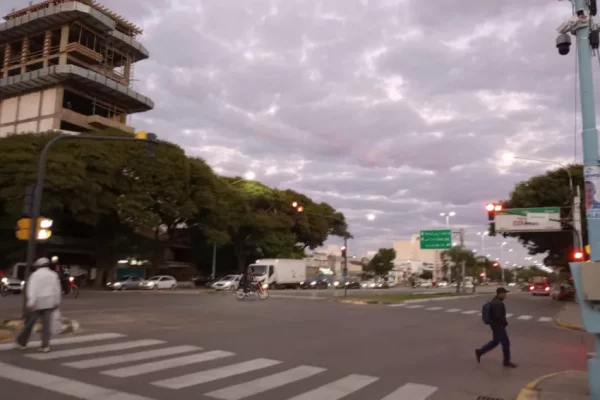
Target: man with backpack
<point>493,314</point>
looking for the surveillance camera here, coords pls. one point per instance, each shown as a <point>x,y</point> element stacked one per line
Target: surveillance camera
<point>563,43</point>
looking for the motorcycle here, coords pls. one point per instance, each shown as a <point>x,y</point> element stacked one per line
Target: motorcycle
<point>257,290</point>
<point>73,289</point>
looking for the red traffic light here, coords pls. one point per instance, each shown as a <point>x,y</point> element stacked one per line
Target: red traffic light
<point>495,264</point>
<point>578,255</point>
<point>295,204</point>
<point>498,207</point>
<point>490,207</point>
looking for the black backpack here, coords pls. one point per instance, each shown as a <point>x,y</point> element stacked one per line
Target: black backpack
<point>486,313</point>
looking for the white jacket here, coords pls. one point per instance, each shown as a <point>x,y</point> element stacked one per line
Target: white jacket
<point>43,289</point>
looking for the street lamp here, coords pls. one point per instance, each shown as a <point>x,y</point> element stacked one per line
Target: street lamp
<point>502,259</point>
<point>448,215</point>
<point>371,216</point>
<point>483,235</point>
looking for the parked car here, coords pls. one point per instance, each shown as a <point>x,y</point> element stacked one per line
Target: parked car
<point>128,282</point>
<point>316,282</point>
<point>12,285</point>
<point>229,282</point>
<point>350,283</point>
<point>159,282</point>
<point>563,292</point>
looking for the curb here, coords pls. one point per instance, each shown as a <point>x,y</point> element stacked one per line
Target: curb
<point>569,325</point>
<point>531,392</point>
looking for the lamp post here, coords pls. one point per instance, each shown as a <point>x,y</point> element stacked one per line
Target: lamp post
<point>248,176</point>
<point>502,260</point>
<point>483,235</point>
<point>448,215</point>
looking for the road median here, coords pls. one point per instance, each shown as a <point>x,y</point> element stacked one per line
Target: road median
<point>402,298</point>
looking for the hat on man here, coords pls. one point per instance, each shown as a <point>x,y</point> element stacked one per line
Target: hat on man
<point>501,290</point>
<point>41,262</point>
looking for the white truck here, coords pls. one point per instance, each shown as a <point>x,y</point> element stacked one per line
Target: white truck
<point>280,272</point>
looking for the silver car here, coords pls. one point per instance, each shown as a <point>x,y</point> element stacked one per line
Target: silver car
<point>229,282</point>
<point>125,283</point>
<point>11,285</point>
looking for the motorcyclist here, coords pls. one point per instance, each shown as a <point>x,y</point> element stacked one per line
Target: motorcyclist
<point>248,280</point>
<point>62,276</point>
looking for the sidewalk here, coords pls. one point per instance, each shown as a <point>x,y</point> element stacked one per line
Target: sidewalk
<point>570,317</point>
<point>567,385</point>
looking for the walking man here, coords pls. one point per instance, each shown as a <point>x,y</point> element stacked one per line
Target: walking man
<point>494,314</point>
<point>43,293</point>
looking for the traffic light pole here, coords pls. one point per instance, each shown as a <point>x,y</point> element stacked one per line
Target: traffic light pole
<point>39,191</point>
<point>590,313</point>
<point>345,265</point>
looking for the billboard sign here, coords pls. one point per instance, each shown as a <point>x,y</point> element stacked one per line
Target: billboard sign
<point>440,239</point>
<point>540,219</point>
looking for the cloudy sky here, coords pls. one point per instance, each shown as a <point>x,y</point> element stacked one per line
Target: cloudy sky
<point>400,108</point>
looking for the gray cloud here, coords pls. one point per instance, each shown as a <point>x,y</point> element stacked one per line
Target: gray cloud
<point>401,108</point>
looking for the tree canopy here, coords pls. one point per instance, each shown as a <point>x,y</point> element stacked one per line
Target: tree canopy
<point>382,262</point>
<point>130,205</point>
<point>549,190</point>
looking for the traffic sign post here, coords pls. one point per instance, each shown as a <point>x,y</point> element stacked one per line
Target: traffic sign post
<point>440,239</point>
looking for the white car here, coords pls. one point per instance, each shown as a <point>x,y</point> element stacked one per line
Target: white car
<point>159,282</point>
<point>229,282</point>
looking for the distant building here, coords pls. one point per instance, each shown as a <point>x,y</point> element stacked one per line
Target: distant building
<point>68,65</point>
<point>410,258</point>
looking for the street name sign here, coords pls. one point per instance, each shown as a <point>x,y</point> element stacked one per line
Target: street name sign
<point>440,239</point>
<point>538,219</point>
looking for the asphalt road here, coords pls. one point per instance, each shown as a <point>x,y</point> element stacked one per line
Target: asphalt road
<point>287,349</point>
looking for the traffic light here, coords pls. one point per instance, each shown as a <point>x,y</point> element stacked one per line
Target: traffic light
<point>43,228</point>
<point>578,255</point>
<point>496,264</point>
<point>343,248</point>
<point>492,209</point>
<point>298,207</point>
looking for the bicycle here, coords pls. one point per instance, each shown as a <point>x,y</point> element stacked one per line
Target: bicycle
<point>257,290</point>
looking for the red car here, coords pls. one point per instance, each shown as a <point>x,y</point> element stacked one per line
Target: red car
<point>539,286</point>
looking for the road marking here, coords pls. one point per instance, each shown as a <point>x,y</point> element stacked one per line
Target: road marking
<point>124,358</point>
<point>67,387</point>
<point>525,317</point>
<point>545,319</point>
<point>82,351</point>
<point>509,315</point>
<point>146,368</point>
<point>434,308</point>
<point>470,312</point>
<point>261,385</point>
<point>338,389</point>
<point>411,391</point>
<point>453,310</point>
<point>69,340</point>
<point>398,305</point>
<point>210,375</point>
<point>415,306</point>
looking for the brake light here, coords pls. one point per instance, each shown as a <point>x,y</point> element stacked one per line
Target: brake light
<point>531,287</point>
<point>547,288</point>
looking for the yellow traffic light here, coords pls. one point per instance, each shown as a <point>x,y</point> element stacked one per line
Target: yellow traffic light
<point>24,226</point>
<point>143,135</point>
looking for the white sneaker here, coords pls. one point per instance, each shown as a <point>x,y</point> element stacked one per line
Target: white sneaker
<point>45,349</point>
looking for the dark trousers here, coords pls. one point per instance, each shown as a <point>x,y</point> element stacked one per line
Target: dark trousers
<point>500,337</point>
<point>45,317</point>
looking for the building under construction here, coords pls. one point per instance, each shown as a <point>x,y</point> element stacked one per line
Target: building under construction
<point>68,65</point>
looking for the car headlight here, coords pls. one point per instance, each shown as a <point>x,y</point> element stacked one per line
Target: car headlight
<point>22,283</point>
<point>302,283</point>
<point>227,284</point>
<point>109,283</point>
<point>71,279</point>
<point>313,283</point>
<point>4,280</point>
<point>117,284</point>
<point>336,284</point>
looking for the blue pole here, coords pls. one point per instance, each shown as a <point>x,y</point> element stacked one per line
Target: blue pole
<point>591,317</point>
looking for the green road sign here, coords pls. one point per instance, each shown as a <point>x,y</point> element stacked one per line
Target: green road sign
<point>436,240</point>
<point>535,210</point>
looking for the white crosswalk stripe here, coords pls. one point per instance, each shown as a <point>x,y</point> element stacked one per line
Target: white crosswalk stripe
<point>434,308</point>
<point>476,312</point>
<point>274,374</point>
<point>68,340</point>
<point>126,358</point>
<point>140,369</point>
<point>411,391</point>
<point>545,319</point>
<point>210,375</point>
<point>95,349</point>
<point>453,310</point>
<point>398,305</point>
<point>470,312</point>
<point>415,306</point>
<point>338,389</point>
<point>508,315</point>
<point>261,385</point>
<point>525,317</point>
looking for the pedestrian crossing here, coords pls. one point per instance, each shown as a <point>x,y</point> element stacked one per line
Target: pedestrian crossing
<point>162,366</point>
<point>453,310</point>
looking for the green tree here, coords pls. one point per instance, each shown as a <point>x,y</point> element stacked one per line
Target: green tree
<point>549,190</point>
<point>453,259</point>
<point>382,262</point>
